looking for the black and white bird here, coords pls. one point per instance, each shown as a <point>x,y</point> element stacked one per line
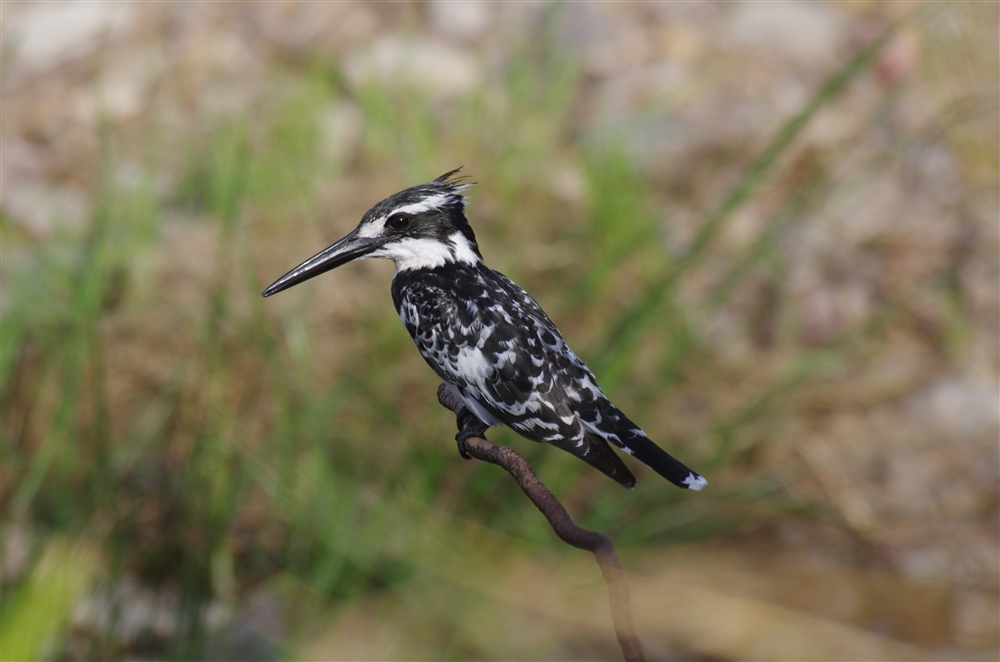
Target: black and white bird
<point>484,336</point>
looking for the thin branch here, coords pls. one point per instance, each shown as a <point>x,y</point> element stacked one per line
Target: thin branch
<point>596,543</point>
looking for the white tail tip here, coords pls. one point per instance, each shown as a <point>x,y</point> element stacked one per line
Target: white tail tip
<point>695,482</point>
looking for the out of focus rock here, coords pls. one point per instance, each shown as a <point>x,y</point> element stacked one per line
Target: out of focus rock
<point>805,33</point>
<point>253,635</point>
<point>308,29</point>
<point>975,615</point>
<point>589,31</point>
<point>121,94</point>
<point>422,63</point>
<point>31,199</point>
<point>958,410</point>
<point>16,556</point>
<point>900,58</point>
<point>47,33</point>
<point>126,616</point>
<point>464,20</point>
<point>569,184</point>
<point>340,129</point>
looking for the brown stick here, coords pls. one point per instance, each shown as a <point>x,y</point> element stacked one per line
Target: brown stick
<point>596,543</point>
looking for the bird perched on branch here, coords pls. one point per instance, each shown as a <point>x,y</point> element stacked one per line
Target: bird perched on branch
<point>485,337</point>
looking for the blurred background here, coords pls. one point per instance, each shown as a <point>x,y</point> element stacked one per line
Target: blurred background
<point>771,229</point>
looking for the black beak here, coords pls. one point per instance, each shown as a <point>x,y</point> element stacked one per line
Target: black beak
<point>349,248</point>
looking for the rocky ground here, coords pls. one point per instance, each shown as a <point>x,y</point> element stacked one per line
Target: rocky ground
<point>900,250</point>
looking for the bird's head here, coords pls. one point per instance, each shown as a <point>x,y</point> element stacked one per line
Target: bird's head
<point>422,227</point>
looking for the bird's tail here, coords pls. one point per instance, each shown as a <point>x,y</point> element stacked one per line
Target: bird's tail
<point>663,462</point>
<point>627,436</point>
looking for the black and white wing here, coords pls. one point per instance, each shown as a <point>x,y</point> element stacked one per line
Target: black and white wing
<point>507,361</point>
<point>567,395</point>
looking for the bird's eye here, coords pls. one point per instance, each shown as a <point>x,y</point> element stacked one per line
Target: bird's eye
<point>398,222</point>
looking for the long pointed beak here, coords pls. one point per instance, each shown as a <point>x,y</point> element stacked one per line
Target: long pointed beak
<point>349,248</point>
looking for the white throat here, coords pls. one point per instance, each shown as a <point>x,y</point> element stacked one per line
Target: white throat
<point>422,253</point>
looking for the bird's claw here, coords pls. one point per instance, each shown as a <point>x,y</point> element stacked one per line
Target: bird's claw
<point>461,446</point>
<point>468,426</point>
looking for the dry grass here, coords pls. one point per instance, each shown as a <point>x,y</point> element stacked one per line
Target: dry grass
<point>784,264</point>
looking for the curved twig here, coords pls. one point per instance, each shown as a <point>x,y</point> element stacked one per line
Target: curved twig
<point>596,543</point>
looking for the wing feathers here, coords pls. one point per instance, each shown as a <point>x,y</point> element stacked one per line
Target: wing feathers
<point>486,337</point>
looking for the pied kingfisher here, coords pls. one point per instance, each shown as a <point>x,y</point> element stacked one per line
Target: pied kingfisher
<point>489,341</point>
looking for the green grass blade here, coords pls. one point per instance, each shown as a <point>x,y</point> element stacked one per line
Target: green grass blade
<point>626,331</point>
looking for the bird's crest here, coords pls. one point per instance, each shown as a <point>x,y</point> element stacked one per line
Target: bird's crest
<point>453,179</point>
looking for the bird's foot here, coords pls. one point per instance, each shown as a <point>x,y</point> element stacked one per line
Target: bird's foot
<point>468,426</point>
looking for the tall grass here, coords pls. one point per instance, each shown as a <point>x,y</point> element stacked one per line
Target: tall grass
<point>284,440</point>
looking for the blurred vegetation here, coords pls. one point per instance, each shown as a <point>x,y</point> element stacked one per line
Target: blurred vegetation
<point>164,425</point>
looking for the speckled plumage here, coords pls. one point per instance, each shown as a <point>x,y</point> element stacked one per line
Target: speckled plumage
<point>486,337</point>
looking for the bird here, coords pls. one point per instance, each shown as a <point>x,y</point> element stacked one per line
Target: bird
<point>490,343</point>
